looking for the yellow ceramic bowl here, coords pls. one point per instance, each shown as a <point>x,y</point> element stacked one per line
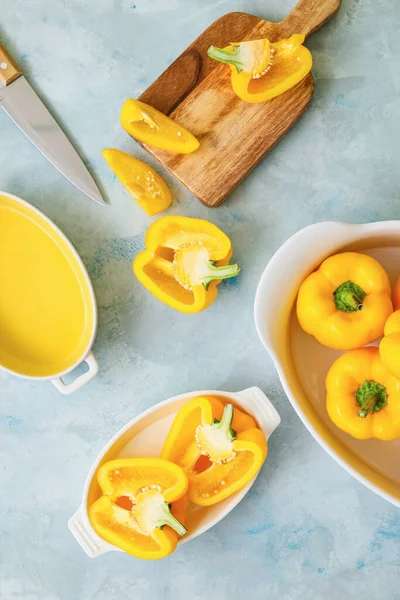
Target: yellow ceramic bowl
<point>48,313</point>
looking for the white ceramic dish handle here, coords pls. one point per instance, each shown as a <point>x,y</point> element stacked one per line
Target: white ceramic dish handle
<point>82,531</point>
<point>261,408</point>
<point>80,381</point>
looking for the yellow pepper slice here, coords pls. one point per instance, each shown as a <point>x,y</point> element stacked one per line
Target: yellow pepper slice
<point>184,261</point>
<point>136,511</point>
<point>262,70</point>
<point>218,445</point>
<point>389,348</point>
<point>150,126</point>
<point>142,182</point>
<point>363,397</point>
<point>344,304</point>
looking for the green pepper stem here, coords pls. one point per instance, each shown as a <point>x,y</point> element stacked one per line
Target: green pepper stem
<point>213,272</point>
<point>167,518</point>
<point>229,57</point>
<point>371,397</point>
<point>225,424</point>
<point>349,297</point>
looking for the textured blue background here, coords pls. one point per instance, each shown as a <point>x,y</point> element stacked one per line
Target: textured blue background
<point>307,529</point>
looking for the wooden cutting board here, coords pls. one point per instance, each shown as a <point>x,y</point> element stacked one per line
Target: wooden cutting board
<point>196,91</point>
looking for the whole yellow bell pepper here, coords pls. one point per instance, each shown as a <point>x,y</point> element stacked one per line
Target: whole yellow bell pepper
<point>389,348</point>
<point>150,126</point>
<point>135,512</point>
<point>219,446</point>
<point>345,303</point>
<point>142,182</point>
<point>262,70</point>
<point>363,397</point>
<point>184,261</point>
<point>396,295</point>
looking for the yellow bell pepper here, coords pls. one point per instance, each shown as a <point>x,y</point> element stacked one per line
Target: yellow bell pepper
<point>363,397</point>
<point>389,348</point>
<point>142,182</point>
<point>396,295</point>
<point>184,261</point>
<point>344,304</point>
<point>219,446</point>
<point>150,126</point>
<point>136,511</point>
<point>262,70</point>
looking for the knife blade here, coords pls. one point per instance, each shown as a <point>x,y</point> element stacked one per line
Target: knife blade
<point>26,109</point>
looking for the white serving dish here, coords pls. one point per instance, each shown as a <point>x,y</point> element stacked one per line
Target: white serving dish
<point>64,246</point>
<point>144,437</point>
<point>302,363</point>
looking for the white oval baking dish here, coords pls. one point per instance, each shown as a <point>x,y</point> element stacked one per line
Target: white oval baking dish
<point>144,437</point>
<point>302,363</point>
<point>26,345</point>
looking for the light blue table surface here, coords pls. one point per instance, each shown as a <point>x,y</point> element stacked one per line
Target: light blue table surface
<point>307,529</point>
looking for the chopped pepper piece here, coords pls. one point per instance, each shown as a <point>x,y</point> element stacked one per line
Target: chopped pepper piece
<point>135,512</point>
<point>389,348</point>
<point>150,126</point>
<point>363,397</point>
<point>142,182</point>
<point>344,304</point>
<point>262,70</point>
<point>229,439</point>
<point>184,261</point>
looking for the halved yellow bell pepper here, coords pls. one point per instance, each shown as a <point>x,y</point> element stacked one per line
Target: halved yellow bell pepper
<point>218,445</point>
<point>389,348</point>
<point>150,126</point>
<point>184,261</point>
<point>262,70</point>
<point>142,182</point>
<point>345,303</point>
<point>136,511</point>
<point>363,397</point>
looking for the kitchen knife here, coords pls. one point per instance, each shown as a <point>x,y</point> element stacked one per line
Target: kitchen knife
<point>25,108</point>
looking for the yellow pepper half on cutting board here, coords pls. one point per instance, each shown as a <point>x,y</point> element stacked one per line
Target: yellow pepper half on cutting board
<point>142,182</point>
<point>150,126</point>
<point>345,303</point>
<point>262,70</point>
<point>136,511</point>
<point>389,348</point>
<point>363,397</point>
<point>184,261</point>
<point>219,446</point>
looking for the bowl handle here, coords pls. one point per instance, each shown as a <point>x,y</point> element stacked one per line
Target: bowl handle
<point>82,531</point>
<point>260,407</point>
<point>80,381</point>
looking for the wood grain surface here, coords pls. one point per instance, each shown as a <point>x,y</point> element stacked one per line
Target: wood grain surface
<point>9,71</point>
<point>196,91</point>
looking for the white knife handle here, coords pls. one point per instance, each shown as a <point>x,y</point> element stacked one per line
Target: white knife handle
<point>9,71</point>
